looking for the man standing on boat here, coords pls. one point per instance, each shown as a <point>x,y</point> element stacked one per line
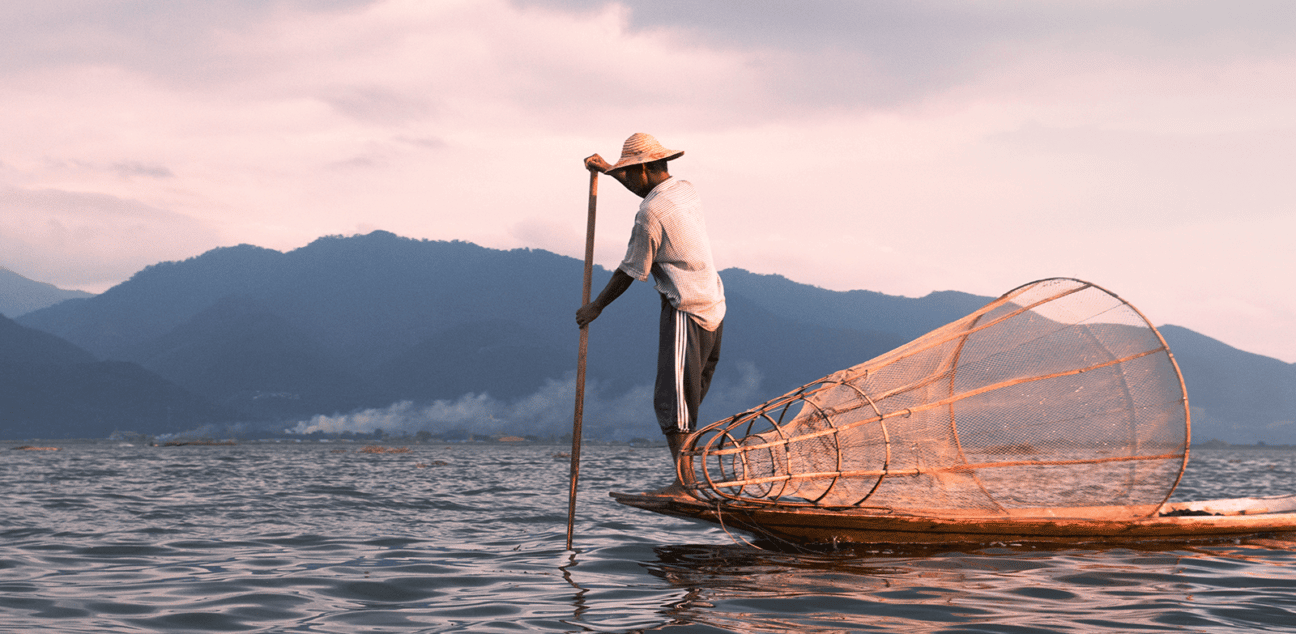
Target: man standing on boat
<point>669,241</point>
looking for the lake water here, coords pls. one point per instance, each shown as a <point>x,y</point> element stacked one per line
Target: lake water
<point>323,538</point>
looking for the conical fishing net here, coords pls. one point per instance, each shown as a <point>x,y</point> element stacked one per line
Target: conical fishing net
<point>1058,399</point>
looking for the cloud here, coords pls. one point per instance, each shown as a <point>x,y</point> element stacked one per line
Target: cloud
<point>129,169</point>
<point>376,104</point>
<point>897,147</point>
<point>91,241</point>
<point>61,33</point>
<point>829,54</point>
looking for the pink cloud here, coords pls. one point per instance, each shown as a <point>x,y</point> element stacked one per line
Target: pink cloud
<point>899,148</point>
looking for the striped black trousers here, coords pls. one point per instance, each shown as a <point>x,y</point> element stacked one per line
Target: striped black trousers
<point>686,359</point>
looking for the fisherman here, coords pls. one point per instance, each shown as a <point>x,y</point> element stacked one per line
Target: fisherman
<point>669,241</point>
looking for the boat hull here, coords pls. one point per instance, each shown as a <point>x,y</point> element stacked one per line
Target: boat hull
<point>813,526</point>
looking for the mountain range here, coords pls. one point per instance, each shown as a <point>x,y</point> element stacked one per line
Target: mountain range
<point>19,295</point>
<point>379,333</point>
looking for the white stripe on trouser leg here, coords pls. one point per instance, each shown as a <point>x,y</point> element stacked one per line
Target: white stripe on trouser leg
<point>681,347</point>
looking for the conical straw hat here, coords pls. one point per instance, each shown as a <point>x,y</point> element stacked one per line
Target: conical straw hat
<point>643,148</point>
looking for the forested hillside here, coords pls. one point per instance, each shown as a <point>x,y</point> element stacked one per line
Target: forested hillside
<point>378,331</point>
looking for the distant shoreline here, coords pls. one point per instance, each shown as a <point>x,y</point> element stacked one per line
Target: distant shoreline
<point>485,441</point>
<point>392,441</point>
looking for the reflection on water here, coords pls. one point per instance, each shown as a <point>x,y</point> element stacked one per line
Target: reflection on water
<point>307,538</point>
<point>1214,587</point>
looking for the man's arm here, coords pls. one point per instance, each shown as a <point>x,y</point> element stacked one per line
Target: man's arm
<point>615,287</point>
<point>596,163</point>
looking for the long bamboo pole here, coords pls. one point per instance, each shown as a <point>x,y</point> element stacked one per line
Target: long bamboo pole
<point>580,361</point>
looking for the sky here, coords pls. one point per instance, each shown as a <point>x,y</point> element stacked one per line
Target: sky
<point>899,147</point>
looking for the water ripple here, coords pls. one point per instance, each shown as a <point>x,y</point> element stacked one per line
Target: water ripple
<point>311,538</point>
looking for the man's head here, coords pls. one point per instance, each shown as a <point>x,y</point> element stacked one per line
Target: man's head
<point>641,178</point>
<point>643,163</point>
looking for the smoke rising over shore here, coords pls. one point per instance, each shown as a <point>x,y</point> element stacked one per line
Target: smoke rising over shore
<point>547,412</point>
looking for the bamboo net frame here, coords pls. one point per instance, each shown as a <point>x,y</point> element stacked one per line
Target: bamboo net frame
<point>1056,398</point>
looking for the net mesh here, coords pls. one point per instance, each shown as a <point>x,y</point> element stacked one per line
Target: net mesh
<point>1058,399</point>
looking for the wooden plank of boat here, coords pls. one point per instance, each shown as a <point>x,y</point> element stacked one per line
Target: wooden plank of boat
<point>1190,521</point>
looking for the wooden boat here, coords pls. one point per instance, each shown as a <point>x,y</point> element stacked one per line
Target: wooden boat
<point>1176,522</point>
<point>1055,413</point>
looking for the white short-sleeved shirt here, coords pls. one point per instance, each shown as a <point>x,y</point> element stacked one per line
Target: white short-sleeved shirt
<point>669,241</point>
